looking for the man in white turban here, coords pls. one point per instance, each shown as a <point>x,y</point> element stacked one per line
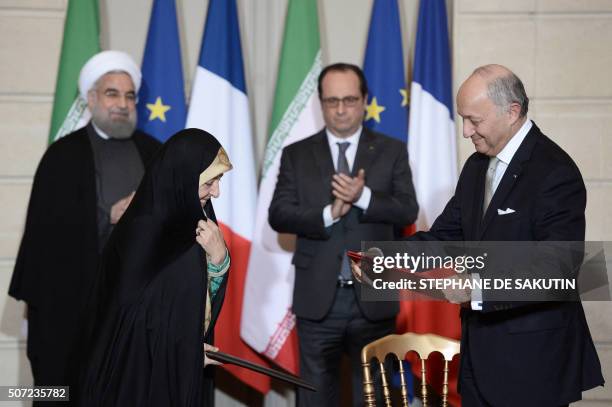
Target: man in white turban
<point>109,82</point>
<point>83,185</point>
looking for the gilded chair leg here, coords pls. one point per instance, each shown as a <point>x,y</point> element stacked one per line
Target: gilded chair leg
<point>369,397</point>
<point>403,385</point>
<point>445,385</point>
<point>385,385</point>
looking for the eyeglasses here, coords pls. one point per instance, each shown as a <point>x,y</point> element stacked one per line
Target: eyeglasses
<point>347,101</point>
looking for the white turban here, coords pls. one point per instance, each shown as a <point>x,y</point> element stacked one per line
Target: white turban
<point>103,63</point>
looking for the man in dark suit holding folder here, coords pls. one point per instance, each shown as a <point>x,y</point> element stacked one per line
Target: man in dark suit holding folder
<point>518,186</point>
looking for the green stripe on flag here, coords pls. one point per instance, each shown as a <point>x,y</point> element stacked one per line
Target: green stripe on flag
<point>291,114</point>
<point>300,64</point>
<point>81,41</point>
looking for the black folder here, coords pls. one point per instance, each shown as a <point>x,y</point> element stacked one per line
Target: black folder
<point>277,374</point>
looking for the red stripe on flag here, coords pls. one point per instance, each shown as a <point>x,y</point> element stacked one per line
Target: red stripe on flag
<point>283,347</point>
<point>227,329</point>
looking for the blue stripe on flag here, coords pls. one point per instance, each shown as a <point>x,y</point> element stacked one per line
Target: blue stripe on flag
<point>384,70</point>
<point>432,67</point>
<point>221,52</point>
<point>161,99</point>
<point>387,110</point>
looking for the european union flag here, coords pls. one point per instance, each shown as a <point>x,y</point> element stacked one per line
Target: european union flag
<point>161,100</point>
<point>387,109</point>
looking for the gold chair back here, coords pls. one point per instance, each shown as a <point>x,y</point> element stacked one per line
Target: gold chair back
<point>399,345</point>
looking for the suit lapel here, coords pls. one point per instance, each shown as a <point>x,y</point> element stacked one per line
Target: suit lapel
<point>366,152</point>
<point>478,196</point>
<point>510,178</point>
<point>323,159</point>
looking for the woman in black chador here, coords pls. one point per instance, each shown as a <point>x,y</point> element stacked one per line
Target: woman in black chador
<point>161,285</point>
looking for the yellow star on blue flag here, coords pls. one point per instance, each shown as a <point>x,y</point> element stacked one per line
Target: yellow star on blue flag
<point>373,110</point>
<point>383,67</point>
<point>404,93</point>
<point>158,110</point>
<point>162,86</point>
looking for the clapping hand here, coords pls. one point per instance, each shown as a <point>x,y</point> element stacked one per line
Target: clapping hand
<point>348,188</point>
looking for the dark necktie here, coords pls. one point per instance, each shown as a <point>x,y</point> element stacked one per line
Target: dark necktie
<point>343,168</point>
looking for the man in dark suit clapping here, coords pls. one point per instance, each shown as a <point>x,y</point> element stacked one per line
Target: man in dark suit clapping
<point>341,186</point>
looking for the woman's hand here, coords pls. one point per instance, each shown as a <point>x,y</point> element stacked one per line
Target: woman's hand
<point>207,360</point>
<point>209,236</point>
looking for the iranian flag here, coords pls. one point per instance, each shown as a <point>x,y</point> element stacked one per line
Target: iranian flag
<point>268,324</point>
<point>81,42</point>
<point>219,105</point>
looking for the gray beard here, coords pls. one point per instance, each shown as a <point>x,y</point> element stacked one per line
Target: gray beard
<point>119,130</point>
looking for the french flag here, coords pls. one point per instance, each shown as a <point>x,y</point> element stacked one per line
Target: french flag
<point>219,105</point>
<point>433,160</point>
<point>432,145</point>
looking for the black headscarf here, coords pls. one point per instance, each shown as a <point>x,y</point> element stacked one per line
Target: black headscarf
<point>168,197</point>
<point>147,334</point>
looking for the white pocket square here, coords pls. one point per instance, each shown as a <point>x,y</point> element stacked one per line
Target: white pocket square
<point>505,212</point>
